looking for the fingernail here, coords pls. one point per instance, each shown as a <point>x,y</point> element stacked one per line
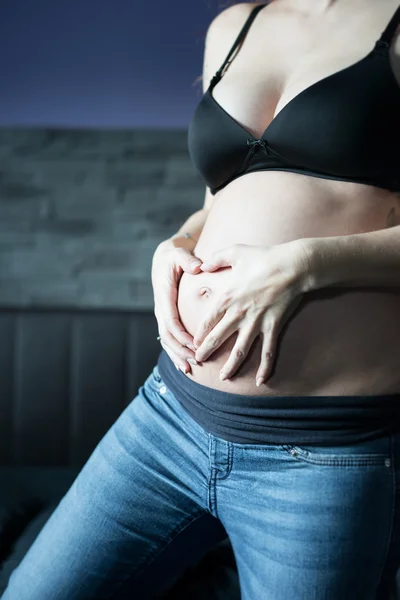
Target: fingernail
<point>259,381</point>
<point>183,369</point>
<point>192,361</point>
<point>191,347</point>
<point>222,375</point>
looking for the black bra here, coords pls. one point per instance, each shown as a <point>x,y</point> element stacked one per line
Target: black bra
<point>345,127</point>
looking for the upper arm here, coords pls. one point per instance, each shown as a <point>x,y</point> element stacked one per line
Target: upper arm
<point>220,36</point>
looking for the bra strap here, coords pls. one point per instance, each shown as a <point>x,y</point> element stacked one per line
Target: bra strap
<point>240,37</point>
<point>387,35</point>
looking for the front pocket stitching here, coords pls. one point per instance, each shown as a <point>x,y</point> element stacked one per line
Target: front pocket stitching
<point>349,460</point>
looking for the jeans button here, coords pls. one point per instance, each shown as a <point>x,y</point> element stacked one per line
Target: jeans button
<point>163,389</point>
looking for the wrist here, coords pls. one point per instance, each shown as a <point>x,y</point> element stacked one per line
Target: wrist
<point>183,240</point>
<point>305,252</point>
<point>328,260</point>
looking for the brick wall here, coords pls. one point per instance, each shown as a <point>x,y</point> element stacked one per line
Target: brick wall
<point>82,211</point>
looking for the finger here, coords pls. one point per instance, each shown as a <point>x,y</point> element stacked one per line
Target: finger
<point>169,316</point>
<point>213,317</point>
<point>187,261</point>
<point>219,334</point>
<point>166,338</point>
<point>179,354</point>
<point>267,356</point>
<point>225,257</point>
<point>240,350</point>
<point>168,310</point>
<point>270,331</point>
<point>178,363</point>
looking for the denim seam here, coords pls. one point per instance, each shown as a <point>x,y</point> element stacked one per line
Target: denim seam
<point>230,462</point>
<point>211,479</point>
<point>263,447</point>
<point>395,469</point>
<point>212,493</point>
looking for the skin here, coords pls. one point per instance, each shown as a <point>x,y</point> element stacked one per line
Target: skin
<point>335,342</point>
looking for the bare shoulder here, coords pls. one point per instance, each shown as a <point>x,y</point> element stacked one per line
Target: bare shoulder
<point>233,15</point>
<point>220,36</point>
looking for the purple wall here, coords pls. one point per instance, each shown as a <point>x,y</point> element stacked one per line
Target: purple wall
<point>102,63</point>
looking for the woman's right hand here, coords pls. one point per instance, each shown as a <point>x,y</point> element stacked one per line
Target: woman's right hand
<point>168,264</point>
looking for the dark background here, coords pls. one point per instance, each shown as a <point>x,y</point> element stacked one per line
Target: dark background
<point>95,101</point>
<point>102,63</point>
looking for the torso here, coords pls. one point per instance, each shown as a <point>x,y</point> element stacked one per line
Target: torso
<point>341,341</point>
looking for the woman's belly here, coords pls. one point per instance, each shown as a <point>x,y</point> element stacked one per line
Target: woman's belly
<point>339,341</point>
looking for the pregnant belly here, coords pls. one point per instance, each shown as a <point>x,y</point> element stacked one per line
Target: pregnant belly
<point>339,341</point>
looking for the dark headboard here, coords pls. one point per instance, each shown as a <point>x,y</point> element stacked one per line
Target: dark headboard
<point>65,376</point>
<point>81,214</point>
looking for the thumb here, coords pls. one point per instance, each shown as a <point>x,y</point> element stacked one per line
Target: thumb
<point>220,258</point>
<point>187,261</point>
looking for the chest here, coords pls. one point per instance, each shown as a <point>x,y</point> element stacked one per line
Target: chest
<point>259,85</point>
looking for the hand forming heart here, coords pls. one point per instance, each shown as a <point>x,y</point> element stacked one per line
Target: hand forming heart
<point>268,283</point>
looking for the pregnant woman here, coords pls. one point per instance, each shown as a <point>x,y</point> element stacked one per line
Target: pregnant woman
<point>280,427</point>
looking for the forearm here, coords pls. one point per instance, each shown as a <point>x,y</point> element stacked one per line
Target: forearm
<point>364,259</point>
<point>193,225</point>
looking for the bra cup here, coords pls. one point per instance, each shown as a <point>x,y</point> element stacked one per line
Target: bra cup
<point>216,146</point>
<point>345,126</point>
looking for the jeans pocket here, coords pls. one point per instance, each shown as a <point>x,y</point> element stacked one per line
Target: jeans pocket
<point>376,452</point>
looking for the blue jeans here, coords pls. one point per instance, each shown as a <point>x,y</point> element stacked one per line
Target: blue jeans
<point>310,523</point>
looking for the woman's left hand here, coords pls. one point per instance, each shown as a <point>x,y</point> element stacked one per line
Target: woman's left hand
<point>267,285</point>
